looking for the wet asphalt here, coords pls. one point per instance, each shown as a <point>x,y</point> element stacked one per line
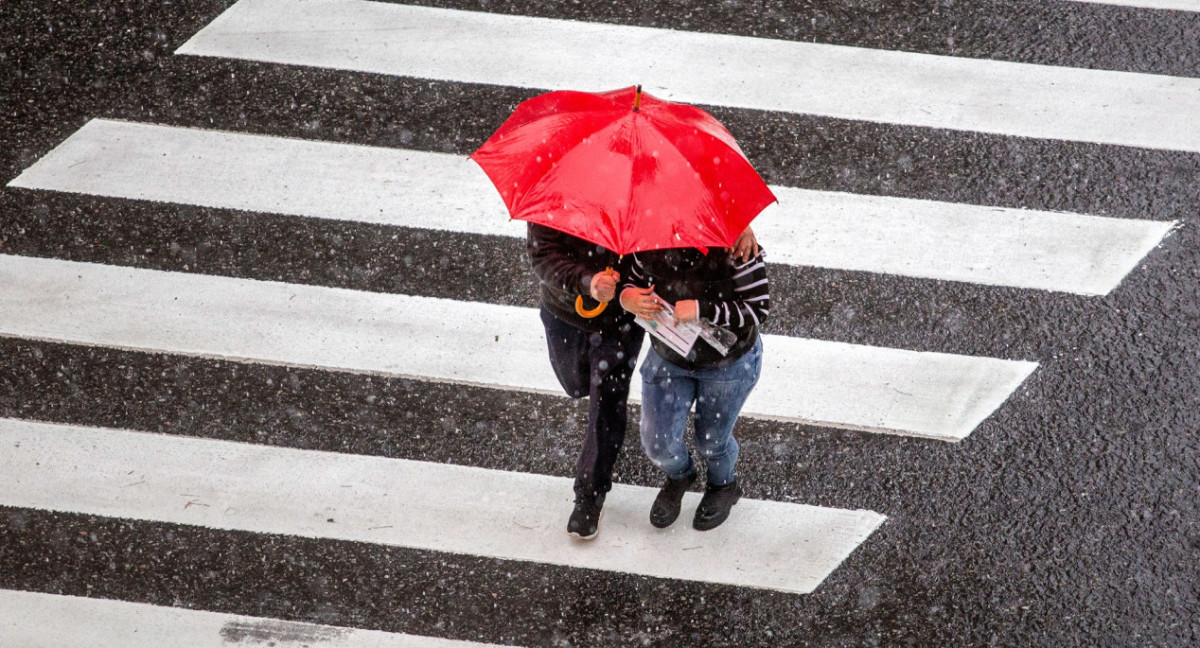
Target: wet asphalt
<point>1071,517</point>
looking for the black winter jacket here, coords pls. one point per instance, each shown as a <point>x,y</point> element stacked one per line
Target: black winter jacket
<point>564,265</point>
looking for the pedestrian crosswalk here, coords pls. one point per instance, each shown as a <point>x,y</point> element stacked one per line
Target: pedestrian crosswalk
<point>438,507</point>
<point>998,97</point>
<point>1178,5</point>
<point>29,620</point>
<point>841,385</point>
<point>1066,252</point>
<point>768,548</point>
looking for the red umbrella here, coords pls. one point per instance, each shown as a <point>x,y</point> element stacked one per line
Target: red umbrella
<point>624,170</point>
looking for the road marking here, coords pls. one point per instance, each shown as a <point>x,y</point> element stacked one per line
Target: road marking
<point>1009,247</point>
<point>1020,99</point>
<point>1177,5</point>
<point>421,505</point>
<point>828,383</point>
<point>33,619</point>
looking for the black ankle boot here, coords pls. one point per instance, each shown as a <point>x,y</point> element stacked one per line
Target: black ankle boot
<point>666,505</point>
<point>585,519</point>
<point>715,505</point>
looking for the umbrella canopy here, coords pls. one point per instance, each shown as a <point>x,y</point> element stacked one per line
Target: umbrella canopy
<point>624,170</point>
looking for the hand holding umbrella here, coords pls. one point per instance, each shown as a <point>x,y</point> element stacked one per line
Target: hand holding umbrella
<point>603,289</point>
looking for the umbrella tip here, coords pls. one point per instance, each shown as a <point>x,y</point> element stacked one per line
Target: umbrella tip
<point>637,98</point>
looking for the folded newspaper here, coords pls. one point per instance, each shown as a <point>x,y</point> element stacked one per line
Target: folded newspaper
<point>681,336</point>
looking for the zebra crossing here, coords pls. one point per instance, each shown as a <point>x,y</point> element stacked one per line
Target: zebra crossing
<point>32,619</point>
<point>771,545</point>
<point>841,385</point>
<point>1057,251</point>
<point>1178,5</point>
<point>514,516</point>
<point>1127,109</point>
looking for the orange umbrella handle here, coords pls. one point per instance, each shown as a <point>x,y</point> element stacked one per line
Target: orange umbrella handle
<point>583,312</point>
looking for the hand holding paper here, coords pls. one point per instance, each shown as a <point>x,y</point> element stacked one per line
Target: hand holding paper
<point>641,302</point>
<point>679,336</point>
<point>687,310</point>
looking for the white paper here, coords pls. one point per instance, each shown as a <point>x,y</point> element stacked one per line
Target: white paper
<point>681,336</point>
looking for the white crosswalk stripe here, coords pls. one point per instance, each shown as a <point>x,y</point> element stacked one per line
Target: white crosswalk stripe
<point>457,509</point>
<point>37,620</point>
<point>1010,247</point>
<point>1179,5</point>
<point>1122,108</point>
<point>841,385</point>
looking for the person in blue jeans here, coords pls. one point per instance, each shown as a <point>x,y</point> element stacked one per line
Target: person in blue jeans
<point>725,291</point>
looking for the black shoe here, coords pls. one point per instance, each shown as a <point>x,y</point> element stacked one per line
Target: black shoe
<point>715,505</point>
<point>585,519</point>
<point>666,506</point>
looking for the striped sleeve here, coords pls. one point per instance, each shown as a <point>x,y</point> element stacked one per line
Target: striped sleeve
<point>637,277</point>
<point>751,301</point>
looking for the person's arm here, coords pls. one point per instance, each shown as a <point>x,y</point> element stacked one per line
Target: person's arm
<point>752,297</point>
<point>637,292</point>
<point>552,263</point>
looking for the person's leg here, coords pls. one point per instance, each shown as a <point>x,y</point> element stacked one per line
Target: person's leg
<point>612,357</point>
<point>570,357</point>
<point>667,395</point>
<point>721,393</point>
<point>568,347</point>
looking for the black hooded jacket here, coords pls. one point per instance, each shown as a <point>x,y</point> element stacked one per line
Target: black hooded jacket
<point>564,265</point>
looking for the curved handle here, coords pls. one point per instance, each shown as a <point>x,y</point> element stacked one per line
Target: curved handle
<point>589,314</point>
<point>583,312</point>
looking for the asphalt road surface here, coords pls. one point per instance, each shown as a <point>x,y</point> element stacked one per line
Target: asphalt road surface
<point>271,374</point>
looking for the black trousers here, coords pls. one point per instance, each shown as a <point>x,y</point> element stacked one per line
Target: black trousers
<point>599,366</point>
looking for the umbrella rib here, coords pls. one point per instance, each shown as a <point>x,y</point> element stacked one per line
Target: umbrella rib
<point>598,135</point>
<point>534,119</point>
<point>627,223</point>
<point>519,200</point>
<point>669,142</point>
<point>712,138</point>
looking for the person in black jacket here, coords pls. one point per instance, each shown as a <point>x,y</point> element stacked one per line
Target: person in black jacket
<point>723,291</point>
<point>591,357</point>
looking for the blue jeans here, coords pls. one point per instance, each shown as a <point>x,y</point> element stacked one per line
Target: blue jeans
<point>668,392</point>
